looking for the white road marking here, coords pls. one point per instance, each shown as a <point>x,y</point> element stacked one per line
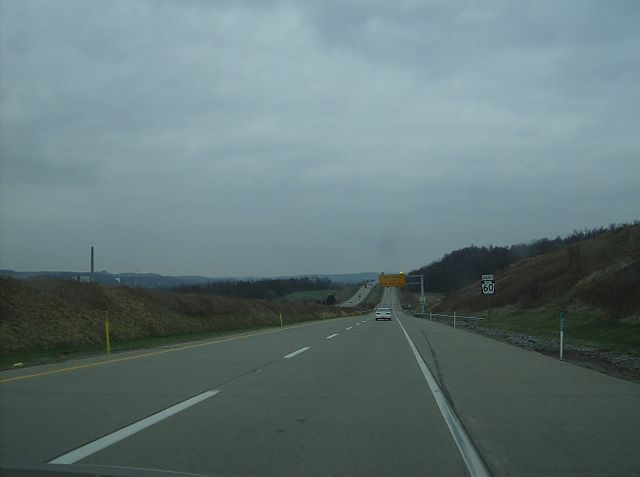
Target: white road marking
<point>110,439</point>
<point>332,336</point>
<point>138,469</point>
<point>301,350</point>
<point>470,454</point>
<point>349,328</point>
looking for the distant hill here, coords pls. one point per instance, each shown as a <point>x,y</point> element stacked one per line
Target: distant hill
<point>345,278</point>
<point>156,280</point>
<point>145,280</point>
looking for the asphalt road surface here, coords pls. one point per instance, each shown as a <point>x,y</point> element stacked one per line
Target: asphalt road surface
<point>348,396</point>
<point>360,295</point>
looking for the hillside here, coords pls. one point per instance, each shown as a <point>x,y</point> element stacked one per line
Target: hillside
<point>596,282</point>
<point>463,267</point>
<point>45,315</point>
<point>602,272</point>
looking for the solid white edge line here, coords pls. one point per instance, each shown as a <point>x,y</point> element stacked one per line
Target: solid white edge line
<point>301,350</point>
<point>331,336</point>
<point>470,454</point>
<point>110,439</point>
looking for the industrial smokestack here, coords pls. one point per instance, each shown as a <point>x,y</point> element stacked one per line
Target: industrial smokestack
<point>91,279</point>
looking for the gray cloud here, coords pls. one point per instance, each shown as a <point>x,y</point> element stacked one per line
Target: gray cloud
<point>301,137</point>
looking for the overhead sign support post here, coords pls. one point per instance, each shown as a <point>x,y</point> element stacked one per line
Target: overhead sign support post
<point>423,298</point>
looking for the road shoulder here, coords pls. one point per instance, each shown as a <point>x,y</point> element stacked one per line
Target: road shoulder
<point>519,406</point>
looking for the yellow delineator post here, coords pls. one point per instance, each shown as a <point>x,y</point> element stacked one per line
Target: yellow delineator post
<point>281,320</point>
<point>106,331</point>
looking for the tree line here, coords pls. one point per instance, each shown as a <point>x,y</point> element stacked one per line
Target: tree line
<point>463,267</point>
<point>267,289</point>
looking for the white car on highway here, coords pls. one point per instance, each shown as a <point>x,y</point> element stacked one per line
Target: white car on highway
<point>383,313</point>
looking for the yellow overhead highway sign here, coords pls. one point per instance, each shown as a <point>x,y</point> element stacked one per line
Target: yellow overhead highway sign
<point>395,280</point>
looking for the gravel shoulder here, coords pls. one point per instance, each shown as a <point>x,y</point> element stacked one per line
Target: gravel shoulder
<point>624,366</point>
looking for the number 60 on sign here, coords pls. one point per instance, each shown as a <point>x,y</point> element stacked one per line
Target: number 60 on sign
<point>488,287</point>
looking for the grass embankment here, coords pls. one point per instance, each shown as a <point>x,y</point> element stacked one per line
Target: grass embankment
<point>343,294</point>
<point>596,282</point>
<point>315,296</point>
<point>44,319</point>
<point>373,298</point>
<point>411,300</point>
<point>309,296</point>
<point>583,326</point>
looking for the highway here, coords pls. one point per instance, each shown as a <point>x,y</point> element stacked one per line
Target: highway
<point>341,397</point>
<point>359,296</point>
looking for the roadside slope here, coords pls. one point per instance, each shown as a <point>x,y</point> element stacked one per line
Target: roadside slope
<point>42,315</point>
<point>603,272</point>
<point>596,283</point>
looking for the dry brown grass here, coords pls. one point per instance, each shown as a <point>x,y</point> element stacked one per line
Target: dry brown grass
<point>45,314</point>
<point>603,272</point>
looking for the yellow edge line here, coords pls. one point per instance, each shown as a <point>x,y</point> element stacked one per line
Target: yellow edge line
<point>146,355</point>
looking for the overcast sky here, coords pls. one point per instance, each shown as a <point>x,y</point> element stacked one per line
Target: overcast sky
<point>230,138</point>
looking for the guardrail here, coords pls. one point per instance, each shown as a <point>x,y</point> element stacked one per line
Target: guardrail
<point>455,317</point>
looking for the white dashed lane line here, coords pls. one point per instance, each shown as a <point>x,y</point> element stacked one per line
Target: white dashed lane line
<point>347,329</point>
<point>301,350</point>
<point>332,336</point>
<point>110,439</point>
